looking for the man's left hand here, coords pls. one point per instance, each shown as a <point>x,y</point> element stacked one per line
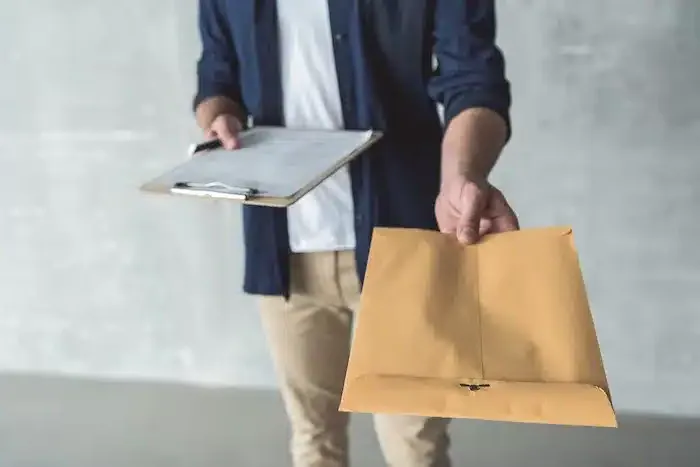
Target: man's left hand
<point>470,208</point>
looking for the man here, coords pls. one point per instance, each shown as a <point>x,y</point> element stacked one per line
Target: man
<point>355,64</point>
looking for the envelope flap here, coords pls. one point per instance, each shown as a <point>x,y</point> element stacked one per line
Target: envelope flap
<point>551,403</point>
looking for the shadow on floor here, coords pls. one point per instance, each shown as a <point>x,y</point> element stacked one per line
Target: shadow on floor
<point>46,422</point>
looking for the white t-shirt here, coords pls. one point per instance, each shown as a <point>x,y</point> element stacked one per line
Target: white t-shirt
<point>323,220</point>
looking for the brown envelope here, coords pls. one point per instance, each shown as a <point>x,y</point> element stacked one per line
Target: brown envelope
<point>500,330</point>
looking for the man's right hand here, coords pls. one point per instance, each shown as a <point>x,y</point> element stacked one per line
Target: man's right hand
<point>226,128</point>
<point>470,208</point>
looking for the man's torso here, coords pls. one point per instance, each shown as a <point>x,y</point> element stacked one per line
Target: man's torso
<point>322,220</point>
<point>382,54</point>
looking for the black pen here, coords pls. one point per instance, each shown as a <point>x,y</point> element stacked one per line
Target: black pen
<point>205,146</point>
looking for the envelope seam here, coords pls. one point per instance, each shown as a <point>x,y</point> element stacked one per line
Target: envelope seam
<point>479,311</point>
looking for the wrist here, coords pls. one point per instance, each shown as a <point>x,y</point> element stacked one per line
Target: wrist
<point>462,179</point>
<point>463,169</point>
<point>471,146</point>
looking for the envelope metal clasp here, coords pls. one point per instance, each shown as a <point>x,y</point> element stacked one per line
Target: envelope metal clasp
<point>474,387</point>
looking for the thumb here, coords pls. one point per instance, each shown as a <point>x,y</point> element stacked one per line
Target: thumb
<point>227,137</point>
<point>470,208</point>
<point>226,130</point>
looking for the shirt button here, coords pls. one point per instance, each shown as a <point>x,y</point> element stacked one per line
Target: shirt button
<point>339,37</point>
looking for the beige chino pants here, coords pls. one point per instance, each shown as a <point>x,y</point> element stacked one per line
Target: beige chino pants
<point>309,339</point>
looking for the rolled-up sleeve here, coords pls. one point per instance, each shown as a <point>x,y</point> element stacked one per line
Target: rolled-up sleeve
<point>470,67</point>
<point>217,67</point>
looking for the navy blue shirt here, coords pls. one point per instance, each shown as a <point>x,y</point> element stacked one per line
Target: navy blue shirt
<point>384,59</point>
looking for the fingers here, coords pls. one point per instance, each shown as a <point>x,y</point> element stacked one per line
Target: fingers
<point>502,216</point>
<point>226,134</point>
<point>472,201</point>
<point>444,216</point>
<point>226,129</point>
<point>485,226</point>
<point>472,212</point>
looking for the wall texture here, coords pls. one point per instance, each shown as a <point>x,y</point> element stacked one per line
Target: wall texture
<point>100,280</point>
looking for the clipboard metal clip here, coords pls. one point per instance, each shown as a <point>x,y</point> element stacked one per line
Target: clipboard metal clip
<point>215,189</point>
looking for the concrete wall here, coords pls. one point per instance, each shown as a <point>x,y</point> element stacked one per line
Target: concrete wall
<point>100,280</point>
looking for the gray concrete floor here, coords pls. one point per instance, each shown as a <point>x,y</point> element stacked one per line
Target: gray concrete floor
<point>46,422</point>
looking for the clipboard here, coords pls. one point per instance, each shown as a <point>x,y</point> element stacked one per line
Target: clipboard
<point>275,166</point>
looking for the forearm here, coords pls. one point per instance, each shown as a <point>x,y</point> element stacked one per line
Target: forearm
<point>472,144</point>
<point>212,107</point>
